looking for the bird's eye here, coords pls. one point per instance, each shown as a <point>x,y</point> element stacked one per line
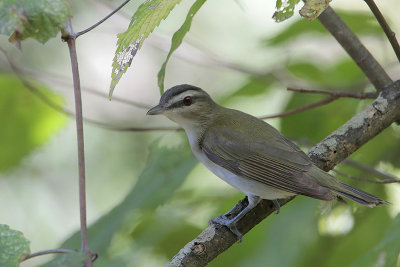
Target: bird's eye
<point>187,101</point>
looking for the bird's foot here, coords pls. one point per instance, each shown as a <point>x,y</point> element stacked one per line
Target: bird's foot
<point>277,206</point>
<point>230,223</point>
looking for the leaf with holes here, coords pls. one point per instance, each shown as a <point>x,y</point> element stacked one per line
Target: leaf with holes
<point>39,19</point>
<point>13,246</point>
<point>146,18</point>
<point>284,10</point>
<point>177,40</point>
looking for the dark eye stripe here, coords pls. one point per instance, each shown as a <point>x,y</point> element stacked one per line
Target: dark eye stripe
<point>180,103</point>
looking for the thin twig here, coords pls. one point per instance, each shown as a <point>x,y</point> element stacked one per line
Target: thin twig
<point>101,21</point>
<point>45,252</point>
<point>365,179</point>
<point>69,37</point>
<point>359,95</point>
<point>302,108</point>
<point>371,170</point>
<point>385,26</point>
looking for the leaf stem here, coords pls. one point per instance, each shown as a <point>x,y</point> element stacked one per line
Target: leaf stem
<point>385,26</point>
<point>70,36</point>
<point>102,20</point>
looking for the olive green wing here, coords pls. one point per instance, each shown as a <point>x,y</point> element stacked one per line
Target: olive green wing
<point>273,162</point>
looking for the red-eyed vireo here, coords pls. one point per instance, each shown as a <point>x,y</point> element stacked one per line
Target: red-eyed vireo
<point>250,154</point>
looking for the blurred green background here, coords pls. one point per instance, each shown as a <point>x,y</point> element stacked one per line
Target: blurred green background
<point>147,195</point>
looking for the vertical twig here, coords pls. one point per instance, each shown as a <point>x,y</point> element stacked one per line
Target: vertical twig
<point>69,36</point>
<point>385,26</point>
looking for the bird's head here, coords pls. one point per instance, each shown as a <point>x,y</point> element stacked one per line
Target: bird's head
<point>185,104</point>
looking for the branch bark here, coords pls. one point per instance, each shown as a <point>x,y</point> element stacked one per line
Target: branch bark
<point>332,150</point>
<point>349,41</point>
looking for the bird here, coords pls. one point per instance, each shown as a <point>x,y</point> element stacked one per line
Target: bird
<point>250,154</point>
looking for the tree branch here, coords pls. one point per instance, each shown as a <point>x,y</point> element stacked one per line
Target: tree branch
<point>69,36</point>
<point>357,51</point>
<point>332,150</point>
<point>359,95</point>
<point>102,20</point>
<point>301,109</point>
<point>385,26</point>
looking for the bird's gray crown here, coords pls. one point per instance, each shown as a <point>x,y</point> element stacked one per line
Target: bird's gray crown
<point>176,90</point>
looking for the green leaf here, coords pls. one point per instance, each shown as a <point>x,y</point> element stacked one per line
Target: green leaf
<point>387,252</point>
<point>67,260</point>
<point>343,74</point>
<point>146,18</point>
<point>177,40</point>
<point>254,86</point>
<point>342,250</point>
<point>38,19</point>
<point>284,10</point>
<point>315,124</point>
<point>361,23</point>
<point>165,171</point>
<point>26,122</point>
<point>13,246</point>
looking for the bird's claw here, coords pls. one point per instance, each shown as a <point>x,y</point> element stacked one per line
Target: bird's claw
<point>223,220</point>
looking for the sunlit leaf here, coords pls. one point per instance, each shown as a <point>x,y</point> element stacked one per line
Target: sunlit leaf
<point>284,9</point>
<point>387,252</point>
<point>165,171</point>
<point>177,40</point>
<point>38,19</point>
<point>26,122</point>
<point>13,246</point>
<point>146,18</point>
<point>342,250</point>
<point>67,260</point>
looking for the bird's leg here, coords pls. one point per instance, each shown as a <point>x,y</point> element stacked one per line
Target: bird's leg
<point>231,223</point>
<point>277,206</point>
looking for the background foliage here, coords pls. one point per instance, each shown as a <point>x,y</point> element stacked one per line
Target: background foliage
<point>147,196</point>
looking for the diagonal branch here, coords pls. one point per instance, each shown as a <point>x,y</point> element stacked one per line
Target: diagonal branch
<point>301,109</point>
<point>349,41</point>
<point>332,150</point>
<point>385,26</point>
<point>359,95</point>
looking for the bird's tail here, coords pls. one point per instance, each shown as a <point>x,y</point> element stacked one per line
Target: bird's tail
<point>357,195</point>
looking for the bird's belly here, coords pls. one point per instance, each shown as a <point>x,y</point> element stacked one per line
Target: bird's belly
<point>246,185</point>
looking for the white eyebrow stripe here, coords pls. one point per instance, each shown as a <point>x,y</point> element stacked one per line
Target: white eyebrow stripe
<point>176,98</point>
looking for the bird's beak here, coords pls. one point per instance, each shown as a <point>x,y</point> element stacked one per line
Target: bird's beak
<point>155,110</point>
